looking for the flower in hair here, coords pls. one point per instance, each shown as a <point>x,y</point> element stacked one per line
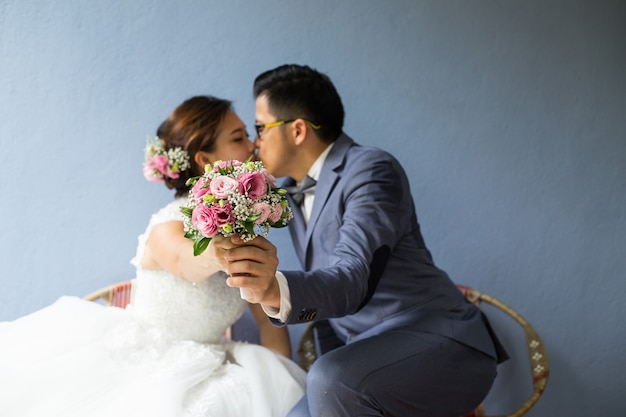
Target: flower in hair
<point>161,163</point>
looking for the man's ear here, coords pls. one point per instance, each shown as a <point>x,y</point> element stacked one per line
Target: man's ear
<point>300,131</point>
<point>202,158</point>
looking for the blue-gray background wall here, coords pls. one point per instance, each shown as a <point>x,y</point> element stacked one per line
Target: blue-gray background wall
<point>509,117</point>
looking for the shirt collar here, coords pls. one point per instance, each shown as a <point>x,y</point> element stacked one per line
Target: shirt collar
<point>316,168</point>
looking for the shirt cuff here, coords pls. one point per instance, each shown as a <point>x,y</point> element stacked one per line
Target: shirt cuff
<point>281,314</point>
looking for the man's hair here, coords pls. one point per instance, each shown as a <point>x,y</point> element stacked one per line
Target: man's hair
<point>297,91</point>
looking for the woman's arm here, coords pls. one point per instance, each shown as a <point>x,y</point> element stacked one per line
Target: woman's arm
<point>168,248</point>
<point>272,337</point>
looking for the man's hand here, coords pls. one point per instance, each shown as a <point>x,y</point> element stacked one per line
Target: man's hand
<point>251,265</point>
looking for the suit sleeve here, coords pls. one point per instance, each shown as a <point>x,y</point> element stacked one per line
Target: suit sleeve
<point>366,214</point>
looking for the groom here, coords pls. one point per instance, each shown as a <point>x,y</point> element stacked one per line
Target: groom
<point>398,338</point>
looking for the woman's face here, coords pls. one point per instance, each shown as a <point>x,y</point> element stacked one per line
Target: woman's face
<point>232,141</point>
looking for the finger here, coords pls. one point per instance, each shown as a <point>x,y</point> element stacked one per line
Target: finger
<point>243,253</point>
<point>258,241</point>
<point>253,293</point>
<point>249,268</point>
<point>222,242</point>
<point>246,294</point>
<point>253,252</point>
<point>248,280</point>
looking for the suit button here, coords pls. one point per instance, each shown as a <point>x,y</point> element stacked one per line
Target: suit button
<point>307,315</point>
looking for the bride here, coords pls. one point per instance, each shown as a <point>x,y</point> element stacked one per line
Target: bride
<point>164,355</point>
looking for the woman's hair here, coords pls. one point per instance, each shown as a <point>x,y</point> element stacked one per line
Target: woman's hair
<point>193,126</point>
<point>298,91</point>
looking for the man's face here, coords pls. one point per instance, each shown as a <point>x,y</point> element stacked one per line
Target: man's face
<point>274,148</point>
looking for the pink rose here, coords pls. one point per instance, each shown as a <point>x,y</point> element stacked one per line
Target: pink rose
<point>252,184</point>
<point>170,173</point>
<point>156,163</point>
<point>203,219</point>
<point>263,209</point>
<point>200,188</point>
<point>226,165</point>
<point>160,162</point>
<point>148,172</point>
<point>277,212</point>
<point>222,186</point>
<point>223,215</point>
<point>270,178</point>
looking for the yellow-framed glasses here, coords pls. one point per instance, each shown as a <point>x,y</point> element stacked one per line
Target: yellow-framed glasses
<point>261,127</point>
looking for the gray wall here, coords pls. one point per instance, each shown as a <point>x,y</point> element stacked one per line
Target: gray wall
<point>509,117</point>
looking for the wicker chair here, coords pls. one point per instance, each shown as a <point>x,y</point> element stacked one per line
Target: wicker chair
<point>537,354</point>
<point>117,295</point>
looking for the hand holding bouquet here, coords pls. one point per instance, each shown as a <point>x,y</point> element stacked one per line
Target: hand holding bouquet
<point>233,197</point>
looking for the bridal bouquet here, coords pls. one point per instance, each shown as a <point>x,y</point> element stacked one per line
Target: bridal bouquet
<point>233,197</point>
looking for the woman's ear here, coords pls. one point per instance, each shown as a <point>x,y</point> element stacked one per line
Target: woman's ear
<point>202,159</point>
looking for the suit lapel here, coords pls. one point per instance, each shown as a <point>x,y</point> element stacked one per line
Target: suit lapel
<point>329,176</point>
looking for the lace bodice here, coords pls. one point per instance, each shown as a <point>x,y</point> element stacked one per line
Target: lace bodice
<point>182,310</point>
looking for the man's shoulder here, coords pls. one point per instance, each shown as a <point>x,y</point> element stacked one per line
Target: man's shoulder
<point>371,156</point>
<point>357,150</point>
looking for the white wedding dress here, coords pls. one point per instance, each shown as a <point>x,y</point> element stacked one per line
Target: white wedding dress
<point>164,355</point>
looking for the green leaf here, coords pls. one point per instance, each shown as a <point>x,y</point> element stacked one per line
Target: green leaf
<point>253,218</point>
<point>200,245</point>
<point>191,181</point>
<point>187,211</point>
<point>249,227</point>
<point>191,235</point>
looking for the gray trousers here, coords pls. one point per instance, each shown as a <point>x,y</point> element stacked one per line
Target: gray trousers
<point>398,373</point>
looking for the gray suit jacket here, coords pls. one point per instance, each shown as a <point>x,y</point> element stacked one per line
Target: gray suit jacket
<point>366,267</point>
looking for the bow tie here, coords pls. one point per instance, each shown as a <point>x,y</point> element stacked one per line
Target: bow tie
<point>298,192</point>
